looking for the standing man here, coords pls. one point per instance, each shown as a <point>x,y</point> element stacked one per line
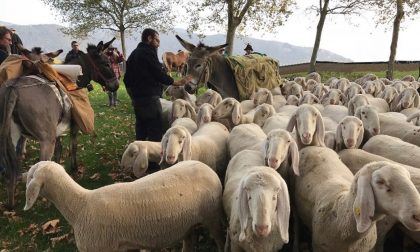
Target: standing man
<point>144,79</point>
<point>248,49</point>
<point>5,42</point>
<point>73,53</point>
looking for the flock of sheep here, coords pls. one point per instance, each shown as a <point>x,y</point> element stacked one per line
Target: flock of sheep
<point>339,159</point>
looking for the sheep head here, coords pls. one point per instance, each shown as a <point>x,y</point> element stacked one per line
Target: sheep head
<point>262,112</point>
<point>204,114</point>
<point>264,197</point>
<point>228,108</point>
<point>35,180</point>
<point>370,119</point>
<point>176,141</point>
<point>278,147</point>
<point>349,133</point>
<point>263,95</point>
<point>385,188</point>
<point>182,108</point>
<point>309,124</point>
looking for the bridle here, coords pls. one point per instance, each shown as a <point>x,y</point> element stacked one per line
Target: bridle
<point>196,85</point>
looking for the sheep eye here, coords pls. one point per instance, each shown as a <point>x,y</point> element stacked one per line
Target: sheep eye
<point>180,142</point>
<point>288,141</point>
<point>363,113</point>
<point>249,198</point>
<point>274,197</point>
<point>388,190</point>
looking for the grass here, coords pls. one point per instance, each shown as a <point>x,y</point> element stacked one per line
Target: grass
<point>98,159</point>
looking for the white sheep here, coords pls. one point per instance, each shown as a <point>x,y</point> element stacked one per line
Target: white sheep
<point>210,96</point>
<point>408,98</point>
<point>292,100</point>
<point>208,145</point>
<point>263,95</point>
<point>187,122</point>
<point>138,154</point>
<point>125,216</point>
<point>204,114</point>
<point>245,137</point>
<point>343,84</point>
<point>335,112</point>
<point>395,149</point>
<point>368,77</point>
<point>389,94</point>
<point>178,92</point>
<point>231,110</point>
<point>257,204</point>
<point>313,76</point>
<point>412,137</point>
<point>319,90</point>
<point>275,122</point>
<point>333,97</point>
<point>311,84</point>
<point>356,101</point>
<point>262,113</point>
<point>373,87</point>
<point>182,108</point>
<point>309,126</point>
<point>308,98</point>
<point>349,134</point>
<point>328,195</point>
<point>353,90</point>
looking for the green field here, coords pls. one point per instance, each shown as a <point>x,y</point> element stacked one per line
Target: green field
<point>98,158</point>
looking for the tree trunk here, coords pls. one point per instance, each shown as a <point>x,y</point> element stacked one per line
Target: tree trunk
<point>230,37</point>
<point>322,16</point>
<point>394,43</point>
<point>122,35</point>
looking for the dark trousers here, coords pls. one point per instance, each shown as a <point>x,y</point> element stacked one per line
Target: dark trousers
<point>148,113</point>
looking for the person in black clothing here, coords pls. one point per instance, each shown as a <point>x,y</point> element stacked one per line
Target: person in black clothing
<point>144,79</point>
<point>73,53</point>
<point>14,49</point>
<point>5,42</point>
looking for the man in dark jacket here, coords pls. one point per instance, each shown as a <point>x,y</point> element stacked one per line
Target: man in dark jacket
<point>5,42</point>
<point>144,79</point>
<point>74,53</point>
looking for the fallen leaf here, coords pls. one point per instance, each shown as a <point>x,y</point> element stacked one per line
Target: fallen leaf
<point>95,176</point>
<point>10,214</point>
<point>50,227</point>
<point>54,240</point>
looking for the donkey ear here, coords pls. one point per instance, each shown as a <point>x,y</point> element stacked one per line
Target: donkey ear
<point>283,211</point>
<point>107,44</point>
<point>364,203</point>
<point>243,209</point>
<point>190,47</point>
<point>32,192</point>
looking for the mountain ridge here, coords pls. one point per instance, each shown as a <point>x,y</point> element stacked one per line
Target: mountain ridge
<point>50,38</point>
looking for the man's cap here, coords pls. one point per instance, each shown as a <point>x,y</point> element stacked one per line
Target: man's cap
<point>12,29</point>
<point>248,47</point>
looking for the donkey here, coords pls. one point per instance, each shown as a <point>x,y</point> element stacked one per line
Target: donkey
<point>207,65</point>
<point>32,109</point>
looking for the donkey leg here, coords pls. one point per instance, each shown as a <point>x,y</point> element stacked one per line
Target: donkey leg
<point>58,150</point>
<point>74,130</point>
<point>11,178</point>
<point>47,149</point>
<point>109,98</point>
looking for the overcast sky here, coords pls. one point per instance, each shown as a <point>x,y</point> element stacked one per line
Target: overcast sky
<point>361,42</point>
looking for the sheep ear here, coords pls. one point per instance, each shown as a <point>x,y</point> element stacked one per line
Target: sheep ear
<point>351,107</point>
<point>191,111</point>
<point>199,118</point>
<point>360,137</point>
<point>236,113</point>
<point>292,123</point>
<point>283,211</point>
<point>32,192</point>
<point>316,99</point>
<point>163,143</point>
<point>416,100</point>
<point>395,105</point>
<point>243,209</point>
<point>343,98</point>
<point>364,203</point>
<point>270,98</point>
<point>186,148</point>
<point>320,130</point>
<point>358,114</point>
<point>339,141</point>
<point>141,163</point>
<point>272,111</point>
<point>294,154</point>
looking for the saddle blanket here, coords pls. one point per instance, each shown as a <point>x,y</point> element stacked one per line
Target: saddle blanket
<point>254,71</point>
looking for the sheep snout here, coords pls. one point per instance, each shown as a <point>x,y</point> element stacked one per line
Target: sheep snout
<point>350,143</point>
<point>261,230</point>
<point>306,138</point>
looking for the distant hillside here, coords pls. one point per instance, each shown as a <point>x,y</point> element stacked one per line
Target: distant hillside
<point>50,38</point>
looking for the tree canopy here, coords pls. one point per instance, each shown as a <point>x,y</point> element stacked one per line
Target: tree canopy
<point>119,16</point>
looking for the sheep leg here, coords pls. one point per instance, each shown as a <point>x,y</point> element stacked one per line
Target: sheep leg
<point>188,243</point>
